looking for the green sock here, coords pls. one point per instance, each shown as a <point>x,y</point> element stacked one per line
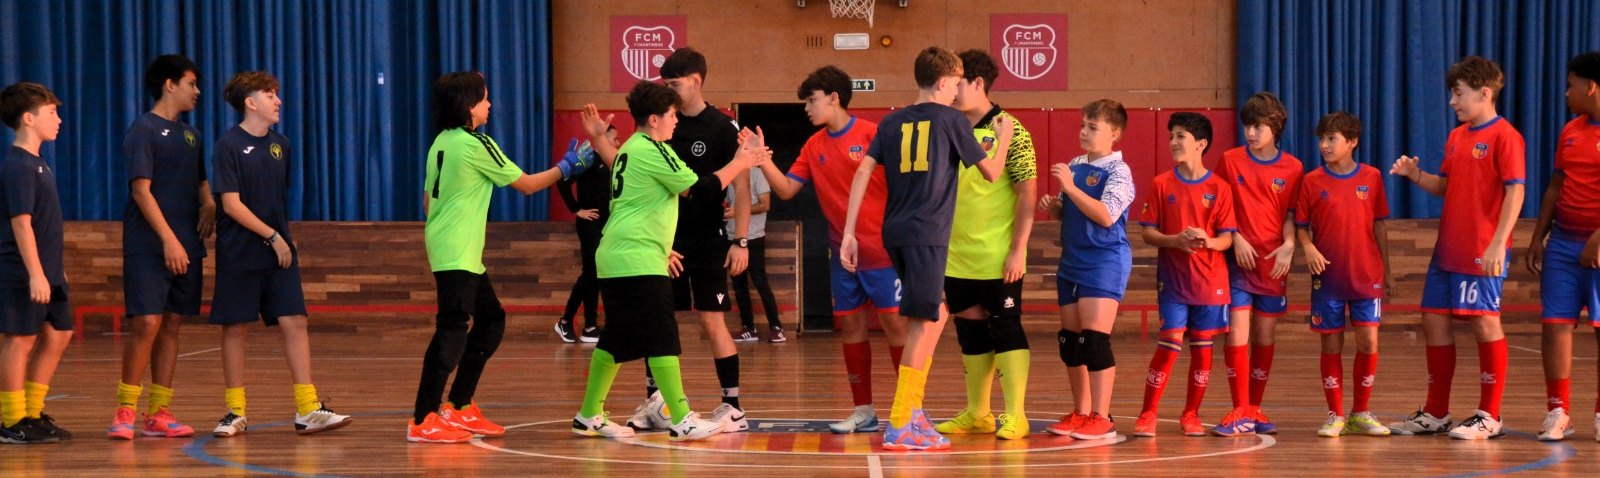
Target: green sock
<point>668,379</point>
<point>160,397</point>
<point>602,371</point>
<point>979,371</point>
<point>13,407</point>
<point>1013,367</point>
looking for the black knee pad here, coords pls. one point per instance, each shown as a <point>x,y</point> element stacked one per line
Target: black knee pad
<point>1006,333</point>
<point>1070,348</point>
<point>973,335</point>
<point>1096,351</point>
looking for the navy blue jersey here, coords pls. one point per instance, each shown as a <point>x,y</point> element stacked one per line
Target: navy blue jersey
<point>29,187</point>
<point>258,169</point>
<point>1092,255</point>
<point>922,149</point>
<point>706,143</point>
<point>168,153</point>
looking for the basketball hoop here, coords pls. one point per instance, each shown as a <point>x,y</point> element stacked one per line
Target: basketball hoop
<point>852,9</point>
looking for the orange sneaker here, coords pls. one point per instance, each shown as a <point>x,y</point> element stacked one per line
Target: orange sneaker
<point>435,430</point>
<point>1190,423</point>
<point>1145,426</point>
<point>1067,424</point>
<point>1095,427</point>
<point>122,424</point>
<point>163,424</point>
<point>470,419</point>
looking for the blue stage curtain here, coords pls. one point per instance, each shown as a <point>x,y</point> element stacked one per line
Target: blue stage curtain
<point>1385,61</point>
<point>355,74</point>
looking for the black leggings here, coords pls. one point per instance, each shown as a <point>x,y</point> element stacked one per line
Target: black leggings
<point>755,274</point>
<point>463,297</point>
<point>586,291</point>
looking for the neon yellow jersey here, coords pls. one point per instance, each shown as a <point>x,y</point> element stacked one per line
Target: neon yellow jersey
<point>980,236</point>
<point>646,179</point>
<point>463,169</point>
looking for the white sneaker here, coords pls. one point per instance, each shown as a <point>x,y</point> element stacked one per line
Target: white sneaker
<point>1597,427</point>
<point>864,419</point>
<point>731,418</point>
<point>651,415</point>
<point>599,426</point>
<point>1557,425</point>
<point>694,428</point>
<point>320,420</point>
<point>230,425</point>
<point>1421,423</point>
<point>1480,427</point>
<point>1366,424</point>
<point>1333,427</point>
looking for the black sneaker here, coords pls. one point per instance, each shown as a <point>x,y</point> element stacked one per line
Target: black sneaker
<point>590,335</point>
<point>25,433</point>
<point>47,425</point>
<point>564,330</point>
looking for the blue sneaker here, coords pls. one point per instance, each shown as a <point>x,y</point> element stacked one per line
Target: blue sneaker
<point>1235,423</point>
<point>916,435</point>
<point>1263,426</point>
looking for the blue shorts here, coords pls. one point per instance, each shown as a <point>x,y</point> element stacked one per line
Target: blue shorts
<point>250,295</point>
<point>1068,292</point>
<point>149,288</point>
<point>1460,295</point>
<point>1260,305</point>
<point>1196,320</point>
<point>1328,315</point>
<point>852,291</point>
<point>20,315</point>
<point>921,272</point>
<point>1566,287</point>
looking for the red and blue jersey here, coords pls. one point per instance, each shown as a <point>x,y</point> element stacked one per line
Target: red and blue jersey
<point>1341,211</point>
<point>1175,204</point>
<point>1479,162</point>
<point>1578,157</point>
<point>828,161</point>
<point>1263,198</point>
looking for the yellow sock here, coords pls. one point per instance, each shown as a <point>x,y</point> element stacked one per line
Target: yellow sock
<point>1013,367</point>
<point>235,400</point>
<point>33,394</point>
<point>12,409</point>
<point>979,371</point>
<point>907,395</point>
<point>305,398</point>
<point>160,398</point>
<point>128,395</point>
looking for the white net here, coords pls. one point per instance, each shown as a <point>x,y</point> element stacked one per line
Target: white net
<point>852,9</point>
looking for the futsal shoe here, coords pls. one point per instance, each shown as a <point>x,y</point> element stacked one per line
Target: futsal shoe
<point>1011,427</point>
<point>230,425</point>
<point>1145,426</point>
<point>1190,423</point>
<point>434,430</point>
<point>163,424</point>
<point>1333,427</point>
<point>121,424</point>
<point>694,428</point>
<point>1236,423</point>
<point>1365,424</point>
<point>470,419</point>
<point>599,426</point>
<point>1480,426</point>
<point>918,434</point>
<point>966,422</point>
<point>1421,423</point>
<point>590,335</point>
<point>320,420</point>
<point>862,419</point>
<point>48,425</point>
<point>1557,425</point>
<point>25,432</point>
<point>1067,424</point>
<point>651,415</point>
<point>564,330</point>
<point>1096,427</point>
<point>731,418</point>
<point>1263,425</point>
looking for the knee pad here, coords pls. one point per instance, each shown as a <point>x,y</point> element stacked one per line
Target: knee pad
<point>1096,351</point>
<point>973,335</point>
<point>1006,333</point>
<point>1070,348</point>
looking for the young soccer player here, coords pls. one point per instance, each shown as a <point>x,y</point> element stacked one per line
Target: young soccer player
<point>258,270</point>
<point>169,215</point>
<point>1096,259</point>
<point>1340,212</point>
<point>828,161</point>
<point>463,168</point>
<point>33,286</point>
<point>1264,181</point>
<point>1565,256</point>
<point>636,261</point>
<point>592,205</point>
<point>1189,215</point>
<point>923,148</point>
<point>1481,181</point>
<point>988,259</point>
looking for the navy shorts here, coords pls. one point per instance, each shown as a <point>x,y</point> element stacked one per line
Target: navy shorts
<point>921,271</point>
<point>854,291</point>
<point>1461,295</point>
<point>149,288</point>
<point>20,315</point>
<point>1069,292</point>
<point>1565,287</point>
<point>1259,305</point>
<point>265,294</point>
<point>1195,320</point>
<point>640,322</point>
<point>1329,315</point>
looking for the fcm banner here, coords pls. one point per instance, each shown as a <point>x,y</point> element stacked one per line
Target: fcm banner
<point>1032,50</point>
<point>640,43</point>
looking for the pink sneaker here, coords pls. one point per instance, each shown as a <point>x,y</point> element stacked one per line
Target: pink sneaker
<point>122,424</point>
<point>163,424</point>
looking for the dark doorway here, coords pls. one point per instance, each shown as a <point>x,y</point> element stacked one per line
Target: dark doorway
<point>787,129</point>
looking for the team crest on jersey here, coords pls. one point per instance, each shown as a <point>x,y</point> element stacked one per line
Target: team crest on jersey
<point>988,144</point>
<point>1030,50</point>
<point>645,49</point>
<point>1323,196</point>
<point>856,153</point>
<point>1241,179</point>
<point>1277,184</point>
<point>1316,284</point>
<point>189,136</point>
<point>1361,193</point>
<point>1172,199</point>
<point>1094,178</point>
<point>1316,318</point>
<point>276,150</point>
<point>1480,150</point>
<point>1208,200</point>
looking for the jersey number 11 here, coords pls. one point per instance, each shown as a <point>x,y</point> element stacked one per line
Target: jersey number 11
<point>921,162</point>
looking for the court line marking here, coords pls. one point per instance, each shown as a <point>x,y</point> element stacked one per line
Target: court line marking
<point>874,466</point>
<point>199,352</point>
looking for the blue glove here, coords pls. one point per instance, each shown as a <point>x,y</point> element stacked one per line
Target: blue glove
<point>572,163</point>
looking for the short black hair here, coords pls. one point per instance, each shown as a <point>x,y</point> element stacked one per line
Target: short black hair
<point>1195,123</point>
<point>166,68</point>
<point>650,98</point>
<point>1342,122</point>
<point>1586,66</point>
<point>683,62</point>
<point>829,80</point>
<point>454,96</point>
<point>22,98</point>
<point>978,64</point>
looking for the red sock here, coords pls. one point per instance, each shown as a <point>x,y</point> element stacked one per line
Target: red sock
<point>1260,368</point>
<point>894,356</point>
<point>858,366</point>
<point>1560,393</point>
<point>1199,374</point>
<point>1492,371</point>
<point>1441,371</point>
<point>1160,369</point>
<point>1333,382</point>
<point>1237,358</point>
<point>1366,373</point>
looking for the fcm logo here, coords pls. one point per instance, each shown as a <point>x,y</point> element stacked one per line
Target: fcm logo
<point>1030,50</point>
<point>644,49</point>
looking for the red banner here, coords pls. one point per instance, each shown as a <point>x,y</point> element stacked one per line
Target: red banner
<point>640,43</point>
<point>1032,49</point>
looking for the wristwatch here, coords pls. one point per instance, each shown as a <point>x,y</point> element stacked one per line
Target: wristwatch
<point>742,243</point>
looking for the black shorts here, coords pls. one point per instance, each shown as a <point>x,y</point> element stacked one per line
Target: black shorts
<point>640,321</point>
<point>20,315</point>
<point>703,285</point>
<point>149,288</point>
<point>466,292</point>
<point>995,295</point>
<point>244,296</point>
<point>921,271</point>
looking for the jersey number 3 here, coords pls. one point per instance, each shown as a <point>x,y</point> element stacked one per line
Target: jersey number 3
<point>907,164</point>
<point>616,181</point>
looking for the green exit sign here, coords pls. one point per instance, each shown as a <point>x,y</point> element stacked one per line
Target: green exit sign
<point>864,85</point>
